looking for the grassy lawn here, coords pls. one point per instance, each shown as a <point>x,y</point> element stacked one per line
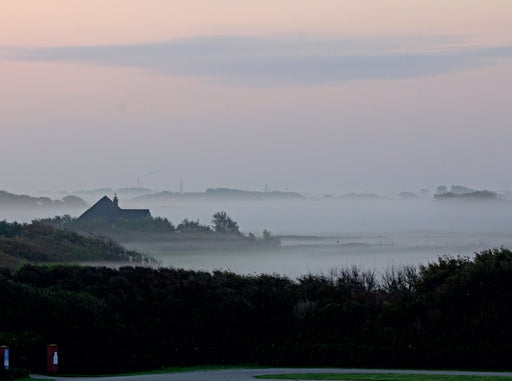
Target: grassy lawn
<point>381,377</point>
<point>164,370</point>
<point>178,369</point>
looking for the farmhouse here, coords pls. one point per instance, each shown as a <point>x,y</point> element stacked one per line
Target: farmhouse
<point>109,210</point>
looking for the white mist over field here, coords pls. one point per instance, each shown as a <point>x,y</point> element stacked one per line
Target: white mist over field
<point>318,235</point>
<point>321,234</point>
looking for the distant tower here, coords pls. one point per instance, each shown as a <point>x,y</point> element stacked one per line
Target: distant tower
<point>138,182</point>
<point>116,200</point>
<point>181,187</point>
<point>266,187</point>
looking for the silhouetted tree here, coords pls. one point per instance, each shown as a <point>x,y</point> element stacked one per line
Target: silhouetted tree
<point>223,224</point>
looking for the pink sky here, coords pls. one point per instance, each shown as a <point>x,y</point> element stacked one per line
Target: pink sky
<point>75,22</point>
<point>163,103</point>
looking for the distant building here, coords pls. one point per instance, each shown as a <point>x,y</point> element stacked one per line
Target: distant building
<point>109,210</point>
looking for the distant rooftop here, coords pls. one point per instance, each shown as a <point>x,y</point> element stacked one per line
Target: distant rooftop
<point>109,210</point>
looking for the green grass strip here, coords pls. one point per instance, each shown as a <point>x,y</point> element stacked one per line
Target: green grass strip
<point>177,369</point>
<point>381,377</point>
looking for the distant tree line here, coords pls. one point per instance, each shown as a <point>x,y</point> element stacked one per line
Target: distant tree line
<point>219,193</point>
<point>469,196</point>
<point>454,313</point>
<point>222,226</point>
<point>24,201</point>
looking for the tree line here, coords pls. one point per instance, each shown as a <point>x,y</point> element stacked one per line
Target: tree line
<point>222,227</point>
<point>452,313</point>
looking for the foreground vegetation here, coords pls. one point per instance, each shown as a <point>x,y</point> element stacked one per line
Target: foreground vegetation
<point>41,243</point>
<point>13,374</point>
<point>455,313</point>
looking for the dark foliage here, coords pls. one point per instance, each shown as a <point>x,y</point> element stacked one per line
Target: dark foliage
<point>223,224</point>
<point>223,228</point>
<point>13,374</point>
<point>454,313</point>
<point>105,226</point>
<point>188,226</point>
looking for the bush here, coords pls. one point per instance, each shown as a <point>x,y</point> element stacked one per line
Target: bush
<point>13,374</point>
<point>454,313</point>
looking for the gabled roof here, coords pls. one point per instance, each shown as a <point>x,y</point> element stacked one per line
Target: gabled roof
<point>106,209</point>
<point>132,214</point>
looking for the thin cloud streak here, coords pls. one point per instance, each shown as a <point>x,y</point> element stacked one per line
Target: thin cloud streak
<point>283,61</point>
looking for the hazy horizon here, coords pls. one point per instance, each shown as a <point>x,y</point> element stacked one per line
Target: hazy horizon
<point>330,97</point>
<point>318,234</point>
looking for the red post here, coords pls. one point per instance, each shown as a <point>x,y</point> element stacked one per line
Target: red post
<point>52,359</point>
<point>4,356</point>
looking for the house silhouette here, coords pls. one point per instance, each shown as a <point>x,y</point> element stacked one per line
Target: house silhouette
<point>109,210</point>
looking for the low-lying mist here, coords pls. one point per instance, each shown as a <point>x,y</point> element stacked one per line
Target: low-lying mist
<point>320,234</point>
<point>335,217</point>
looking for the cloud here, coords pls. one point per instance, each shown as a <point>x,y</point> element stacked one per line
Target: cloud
<point>283,61</point>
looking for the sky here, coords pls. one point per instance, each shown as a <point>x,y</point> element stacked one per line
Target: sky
<point>330,96</point>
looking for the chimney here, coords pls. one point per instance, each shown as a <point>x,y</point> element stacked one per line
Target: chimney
<point>116,201</point>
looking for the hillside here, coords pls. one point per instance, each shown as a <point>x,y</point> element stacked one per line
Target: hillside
<point>41,243</point>
<point>11,200</point>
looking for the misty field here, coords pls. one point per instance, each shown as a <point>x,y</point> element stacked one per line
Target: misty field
<point>318,235</point>
<point>300,255</point>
